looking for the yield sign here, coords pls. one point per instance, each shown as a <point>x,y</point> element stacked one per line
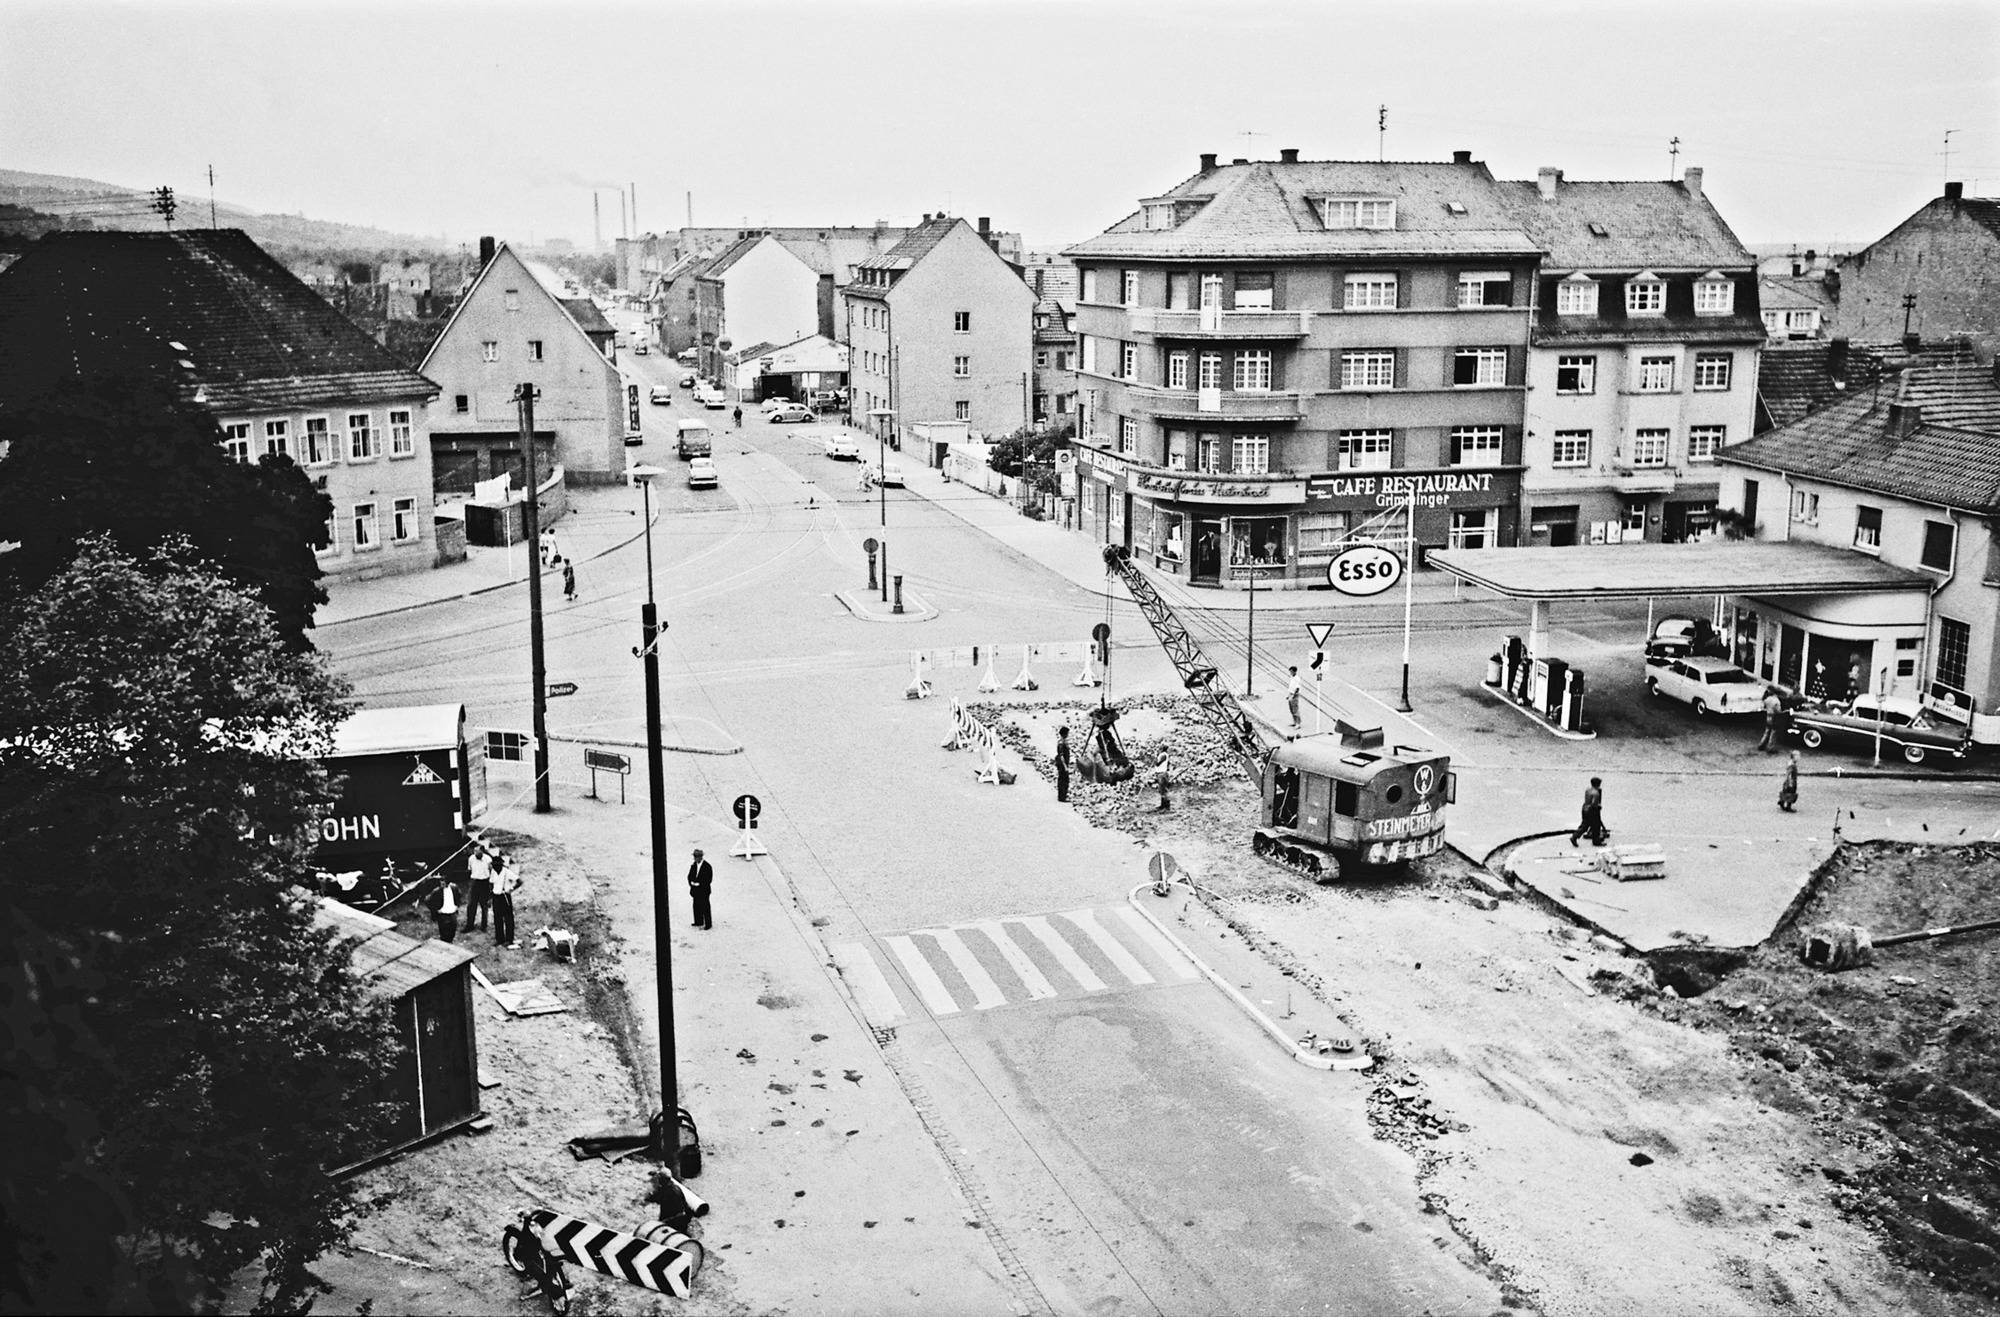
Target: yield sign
<point>1319,631</point>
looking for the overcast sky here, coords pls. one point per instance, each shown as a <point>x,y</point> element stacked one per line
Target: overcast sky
<point>1815,122</point>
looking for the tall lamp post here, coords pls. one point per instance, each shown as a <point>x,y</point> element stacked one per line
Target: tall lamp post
<point>881,417</point>
<point>650,632</point>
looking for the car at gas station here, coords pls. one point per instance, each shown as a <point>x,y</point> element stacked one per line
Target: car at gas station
<point>1902,725</point>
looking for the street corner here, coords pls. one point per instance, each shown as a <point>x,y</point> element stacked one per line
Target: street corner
<point>869,606</point>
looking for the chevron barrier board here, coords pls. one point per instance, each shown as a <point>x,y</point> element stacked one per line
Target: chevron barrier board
<point>668,1267</point>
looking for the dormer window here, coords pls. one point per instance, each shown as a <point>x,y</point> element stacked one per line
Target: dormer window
<point>1157,215</point>
<point>1645,295</point>
<point>1357,213</point>
<point>1714,295</point>
<point>1576,296</point>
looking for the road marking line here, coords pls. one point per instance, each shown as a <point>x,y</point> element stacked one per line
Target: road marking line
<point>928,985</point>
<point>871,990</point>
<point>986,993</point>
<point>1068,959</point>
<point>1175,958</point>
<point>1017,959</point>
<point>1114,950</point>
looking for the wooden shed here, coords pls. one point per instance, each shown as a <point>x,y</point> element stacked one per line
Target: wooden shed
<point>435,1084</point>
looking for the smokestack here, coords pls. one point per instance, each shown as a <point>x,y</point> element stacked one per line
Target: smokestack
<point>485,252</point>
<point>1461,157</point>
<point>635,208</point>
<point>1207,161</point>
<point>596,221</point>
<point>1954,191</point>
<point>1691,180</point>
<point>1546,179</point>
<point>1288,155</point>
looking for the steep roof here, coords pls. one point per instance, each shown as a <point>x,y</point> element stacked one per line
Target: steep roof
<point>1949,457</point>
<point>731,254</point>
<point>206,307</point>
<point>587,316</point>
<point>916,244</point>
<point>547,281</point>
<point>1796,379</point>
<point>1791,294</point>
<point>1266,209</point>
<point>1647,225</point>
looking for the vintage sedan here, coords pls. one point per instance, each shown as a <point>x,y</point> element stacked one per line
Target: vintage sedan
<point>1711,685</point>
<point>1906,726</point>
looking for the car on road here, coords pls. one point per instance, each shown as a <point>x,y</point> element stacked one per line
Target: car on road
<point>791,413</point>
<point>841,447</point>
<point>1711,685</point>
<point>774,403</point>
<point>688,380</point>
<point>1906,725</point>
<point>830,400</point>
<point>890,473</point>
<point>701,473</point>
<point>641,348</point>
<point>712,398</point>
<point>660,393</point>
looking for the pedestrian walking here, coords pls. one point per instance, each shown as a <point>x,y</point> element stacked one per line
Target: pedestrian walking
<point>1774,712</point>
<point>1164,771</point>
<point>569,582</point>
<point>1292,691</point>
<point>550,557</point>
<point>739,418</point>
<point>1591,825</point>
<point>701,877</point>
<point>1062,764</point>
<point>443,905</point>
<point>1788,787</point>
<point>479,902</point>
<point>505,879</point>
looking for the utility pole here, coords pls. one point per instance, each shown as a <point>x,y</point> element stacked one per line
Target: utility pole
<point>163,202</point>
<point>1947,153</point>
<point>1909,305</point>
<point>211,196</point>
<point>1381,131</point>
<point>650,632</point>
<point>524,398</point>
<point>1673,156</point>
<point>1250,645</point>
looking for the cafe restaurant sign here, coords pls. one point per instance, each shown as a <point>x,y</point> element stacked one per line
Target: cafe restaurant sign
<point>1201,489</point>
<point>1429,489</point>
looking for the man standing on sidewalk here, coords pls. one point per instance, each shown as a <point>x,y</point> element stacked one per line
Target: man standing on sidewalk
<point>1292,692</point>
<point>1062,764</point>
<point>505,878</point>
<point>700,878</point>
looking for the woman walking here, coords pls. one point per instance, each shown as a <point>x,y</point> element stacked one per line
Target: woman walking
<point>1788,789</point>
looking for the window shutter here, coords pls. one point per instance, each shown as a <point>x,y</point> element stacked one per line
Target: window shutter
<point>1517,366</point>
<point>1450,367</point>
<point>1277,371</point>
<point>1402,289</point>
<point>1278,302</point>
<point>1400,369</point>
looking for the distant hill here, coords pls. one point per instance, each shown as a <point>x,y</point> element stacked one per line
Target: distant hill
<point>114,206</point>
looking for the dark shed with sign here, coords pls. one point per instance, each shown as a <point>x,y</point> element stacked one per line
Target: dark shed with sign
<point>434,1086</point>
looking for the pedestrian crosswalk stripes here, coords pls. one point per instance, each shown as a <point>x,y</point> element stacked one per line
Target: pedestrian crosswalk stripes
<point>989,963</point>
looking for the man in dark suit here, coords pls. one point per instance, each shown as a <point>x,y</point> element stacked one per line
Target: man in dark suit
<point>1062,764</point>
<point>700,878</point>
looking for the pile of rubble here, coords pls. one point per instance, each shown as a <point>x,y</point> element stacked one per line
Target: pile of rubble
<point>1400,1113</point>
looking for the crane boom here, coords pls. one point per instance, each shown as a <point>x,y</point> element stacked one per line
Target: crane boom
<point>1197,674</point>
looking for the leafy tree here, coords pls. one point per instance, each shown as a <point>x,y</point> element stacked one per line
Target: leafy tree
<point>129,457</point>
<point>189,1049</point>
<point>1029,453</point>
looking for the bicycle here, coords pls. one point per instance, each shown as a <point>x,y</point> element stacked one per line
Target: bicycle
<point>525,1254</point>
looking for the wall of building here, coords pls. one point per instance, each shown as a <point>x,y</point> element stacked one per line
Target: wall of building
<point>1949,259</point>
<point>769,296</point>
<point>962,274</point>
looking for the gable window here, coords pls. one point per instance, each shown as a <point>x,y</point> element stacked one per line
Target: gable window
<point>403,520</point>
<point>318,442</point>
<point>489,349</point>
<point>961,367</point>
<point>1645,295</point>
<point>1868,528</point>
<point>1368,370</point>
<point>1177,370</point>
<point>1805,506</point>
<point>534,349</point>
<point>1476,445</point>
<point>1128,361</point>
<point>402,439</point>
<point>1358,213</point>
<point>513,299</point>
<point>1253,370</point>
<point>1129,288</point>
<point>1714,296</point>
<point>1485,288</point>
<point>961,410</point>
<point>1128,434</point>
<point>1253,290</point>
<point>365,535</point>
<point>1369,292</point>
<point>1704,440</point>
<point>1576,297</point>
<point>461,403</point>
<point>1656,374</point>
<point>236,440</point>
<point>1576,374</point>
<point>1570,448</point>
<point>1209,375</point>
<point>277,438</point>
<point>1157,215</point>
<point>1649,447</point>
<point>361,442</point>
<point>1365,450</point>
<point>1711,370</point>
<point>1477,367</point>
<point>1940,539</point>
<point>1250,454</point>
<point>961,322</point>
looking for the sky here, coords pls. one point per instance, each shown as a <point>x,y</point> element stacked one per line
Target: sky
<point>1816,122</point>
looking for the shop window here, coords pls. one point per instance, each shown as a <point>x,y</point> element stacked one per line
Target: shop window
<point>1954,645</point>
<point>1475,529</point>
<point>1257,541</point>
<point>1322,532</point>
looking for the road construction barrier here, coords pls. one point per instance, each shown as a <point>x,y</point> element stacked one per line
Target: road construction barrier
<point>1026,681</point>
<point>957,738</point>
<point>989,683</point>
<point>1088,675</point>
<point>920,686</point>
<point>666,1263</point>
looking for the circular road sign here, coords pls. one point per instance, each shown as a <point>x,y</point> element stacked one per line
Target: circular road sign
<point>1364,569</point>
<point>1101,632</point>
<point>1163,867</point>
<point>747,809</point>
<point>869,545</point>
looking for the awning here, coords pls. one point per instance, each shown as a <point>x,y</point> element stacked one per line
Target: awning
<point>1641,571</point>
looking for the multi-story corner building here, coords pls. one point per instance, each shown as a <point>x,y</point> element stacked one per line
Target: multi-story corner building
<point>1280,358</point>
<point>939,329</point>
<point>1937,275</point>
<point>1643,359</point>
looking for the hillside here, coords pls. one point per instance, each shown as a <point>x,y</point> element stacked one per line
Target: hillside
<point>115,206</point>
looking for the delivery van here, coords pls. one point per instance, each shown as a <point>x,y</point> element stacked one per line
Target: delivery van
<point>693,440</point>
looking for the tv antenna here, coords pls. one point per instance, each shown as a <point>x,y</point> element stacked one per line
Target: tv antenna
<point>1947,153</point>
<point>1381,131</point>
<point>1249,145</point>
<point>1673,156</point>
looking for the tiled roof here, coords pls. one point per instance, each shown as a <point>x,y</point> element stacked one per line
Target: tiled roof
<point>1950,457</point>
<point>1266,209</point>
<point>915,245</point>
<point>588,318</point>
<point>207,307</point>
<point>1986,210</point>
<point>1792,294</point>
<point>1796,379</point>
<point>1647,225</point>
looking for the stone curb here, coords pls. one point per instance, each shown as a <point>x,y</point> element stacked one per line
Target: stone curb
<point>914,608</point>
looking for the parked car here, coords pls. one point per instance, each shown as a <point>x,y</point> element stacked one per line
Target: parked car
<point>774,403</point>
<point>1906,725</point>
<point>688,380</point>
<point>829,400</point>
<point>641,348</point>
<point>701,473</point>
<point>791,412</point>
<point>660,393</point>
<point>891,473</point>
<point>1711,685</point>
<point>712,398</point>
<point>841,447</point>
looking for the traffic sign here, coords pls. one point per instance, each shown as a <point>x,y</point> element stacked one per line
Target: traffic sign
<point>1319,660</point>
<point>1319,631</point>
<point>869,545</point>
<point>667,1268</point>
<point>747,809</point>
<point>1163,867</point>
<point>1364,569</point>
<point>558,689</point>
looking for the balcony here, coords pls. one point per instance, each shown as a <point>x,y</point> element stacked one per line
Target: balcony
<point>1216,404</point>
<point>1159,322</point>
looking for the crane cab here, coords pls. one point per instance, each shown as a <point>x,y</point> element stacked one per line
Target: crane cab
<point>1330,802</point>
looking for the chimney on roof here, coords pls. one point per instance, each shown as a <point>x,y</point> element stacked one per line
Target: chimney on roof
<point>927,217</point>
<point>1836,360</point>
<point>1546,179</point>
<point>1240,160</point>
<point>1461,157</point>
<point>1913,341</point>
<point>485,252</point>
<point>985,225</point>
<point>1288,155</point>
<point>1691,180</point>
<point>1207,161</point>
<point>1904,415</point>
<point>1954,191</point>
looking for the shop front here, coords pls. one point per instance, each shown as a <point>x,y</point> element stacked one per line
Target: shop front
<point>1831,647</point>
<point>1454,509</point>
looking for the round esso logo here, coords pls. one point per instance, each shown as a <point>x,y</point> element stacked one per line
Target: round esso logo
<point>1364,569</point>
<point>1426,778</point>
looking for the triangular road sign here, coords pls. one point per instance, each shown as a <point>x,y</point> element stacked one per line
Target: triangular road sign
<point>1319,631</point>
<point>422,776</point>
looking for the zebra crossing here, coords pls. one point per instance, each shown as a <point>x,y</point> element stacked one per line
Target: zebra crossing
<point>989,963</point>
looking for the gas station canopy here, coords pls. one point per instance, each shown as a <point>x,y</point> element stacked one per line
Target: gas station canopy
<point>1641,571</point>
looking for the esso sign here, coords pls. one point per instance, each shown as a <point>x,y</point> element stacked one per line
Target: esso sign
<point>1364,569</point>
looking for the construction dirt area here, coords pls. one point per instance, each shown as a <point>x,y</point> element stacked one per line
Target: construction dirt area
<point>1698,1133</point>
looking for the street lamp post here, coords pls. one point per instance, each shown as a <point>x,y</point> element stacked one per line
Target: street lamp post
<point>880,416</point>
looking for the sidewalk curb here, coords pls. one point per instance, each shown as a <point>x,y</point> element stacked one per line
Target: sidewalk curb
<point>923,612</point>
<point>1270,1026</point>
<point>1503,698</point>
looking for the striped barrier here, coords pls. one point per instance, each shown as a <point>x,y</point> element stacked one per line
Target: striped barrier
<point>666,1262</point>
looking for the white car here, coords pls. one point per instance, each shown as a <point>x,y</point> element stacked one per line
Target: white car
<point>714,399</point>
<point>701,473</point>
<point>891,473</point>
<point>773,404</point>
<point>1711,685</point>
<point>841,447</point>
<point>660,393</point>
